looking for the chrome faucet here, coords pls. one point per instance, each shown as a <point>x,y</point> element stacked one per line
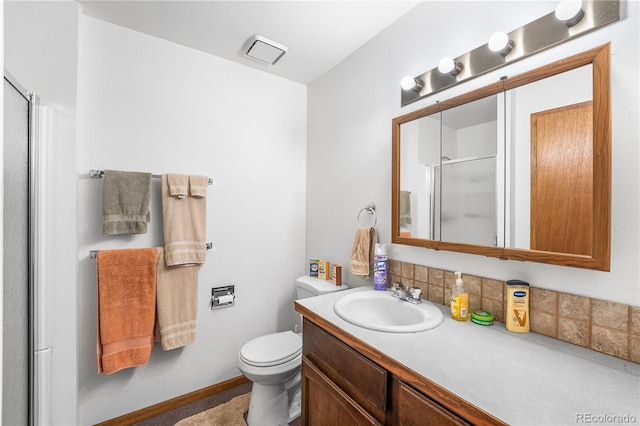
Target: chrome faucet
<point>410,294</point>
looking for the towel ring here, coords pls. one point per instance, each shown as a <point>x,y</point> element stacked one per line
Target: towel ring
<point>371,209</point>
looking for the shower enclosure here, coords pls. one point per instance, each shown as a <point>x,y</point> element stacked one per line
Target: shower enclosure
<point>26,352</point>
<point>463,200</point>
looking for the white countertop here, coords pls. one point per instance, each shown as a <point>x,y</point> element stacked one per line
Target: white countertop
<point>522,379</point>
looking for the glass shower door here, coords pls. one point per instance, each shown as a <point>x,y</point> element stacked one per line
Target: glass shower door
<point>468,211</point>
<point>17,338</point>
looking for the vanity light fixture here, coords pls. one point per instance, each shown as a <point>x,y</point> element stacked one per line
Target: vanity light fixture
<point>410,83</point>
<point>500,43</point>
<point>569,12</point>
<point>571,19</point>
<point>449,66</point>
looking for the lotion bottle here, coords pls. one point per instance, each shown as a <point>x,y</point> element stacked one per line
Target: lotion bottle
<point>517,319</point>
<point>459,300</point>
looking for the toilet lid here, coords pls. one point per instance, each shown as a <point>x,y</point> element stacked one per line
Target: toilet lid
<point>272,349</point>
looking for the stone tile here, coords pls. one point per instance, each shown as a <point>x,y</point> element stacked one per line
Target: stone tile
<point>473,284</point>
<point>436,277</point>
<point>393,279</point>
<point>573,331</point>
<point>610,314</point>
<point>449,279</point>
<point>421,273</point>
<point>635,349</point>
<point>475,302</point>
<point>492,289</point>
<point>610,341</point>
<point>541,300</point>
<point>395,267</point>
<point>543,323</point>
<point>407,270</point>
<point>496,307</point>
<point>436,294</point>
<point>575,307</point>
<point>635,321</point>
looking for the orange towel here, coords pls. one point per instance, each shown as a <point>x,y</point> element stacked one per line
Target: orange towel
<point>126,308</point>
<point>364,243</point>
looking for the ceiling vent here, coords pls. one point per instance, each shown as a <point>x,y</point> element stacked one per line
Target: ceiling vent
<point>264,50</point>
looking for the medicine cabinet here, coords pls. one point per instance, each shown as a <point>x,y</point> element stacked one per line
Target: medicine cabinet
<point>520,169</point>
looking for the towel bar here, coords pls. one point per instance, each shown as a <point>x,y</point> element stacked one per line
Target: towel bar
<point>94,253</point>
<point>100,174</point>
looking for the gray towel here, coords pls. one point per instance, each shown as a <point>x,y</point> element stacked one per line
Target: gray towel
<point>125,202</point>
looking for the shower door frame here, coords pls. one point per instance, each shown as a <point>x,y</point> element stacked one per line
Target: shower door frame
<point>34,230</point>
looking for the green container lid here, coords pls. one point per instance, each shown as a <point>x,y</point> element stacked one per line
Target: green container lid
<point>482,317</point>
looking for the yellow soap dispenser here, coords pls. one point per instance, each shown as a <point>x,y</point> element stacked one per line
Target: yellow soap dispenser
<point>459,300</point>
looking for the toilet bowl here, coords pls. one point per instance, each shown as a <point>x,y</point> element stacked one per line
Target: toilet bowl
<point>273,362</point>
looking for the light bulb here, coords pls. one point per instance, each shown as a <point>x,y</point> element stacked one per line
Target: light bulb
<point>569,12</point>
<point>449,66</point>
<point>408,83</point>
<point>446,65</point>
<point>500,43</point>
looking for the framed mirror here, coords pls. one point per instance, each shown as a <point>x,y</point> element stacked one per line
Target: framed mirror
<point>520,169</point>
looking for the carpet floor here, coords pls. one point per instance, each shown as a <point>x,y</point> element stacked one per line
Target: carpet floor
<point>170,418</point>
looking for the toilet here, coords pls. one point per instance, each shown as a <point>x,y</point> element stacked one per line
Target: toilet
<point>273,362</point>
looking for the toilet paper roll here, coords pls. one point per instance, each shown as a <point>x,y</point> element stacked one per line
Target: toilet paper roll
<point>227,298</point>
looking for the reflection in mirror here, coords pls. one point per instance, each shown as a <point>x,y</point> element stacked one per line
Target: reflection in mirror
<point>420,150</point>
<point>550,163</point>
<point>520,169</point>
<point>468,172</point>
<point>449,176</point>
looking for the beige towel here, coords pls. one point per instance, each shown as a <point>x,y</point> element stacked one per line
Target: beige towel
<point>362,251</point>
<point>198,186</point>
<point>176,304</point>
<point>126,308</point>
<point>178,185</point>
<point>125,202</point>
<point>405,208</point>
<point>184,226</point>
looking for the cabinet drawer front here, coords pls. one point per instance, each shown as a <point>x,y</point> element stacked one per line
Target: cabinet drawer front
<point>357,376</point>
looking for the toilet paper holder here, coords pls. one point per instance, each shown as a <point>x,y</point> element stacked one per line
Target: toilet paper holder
<point>223,297</point>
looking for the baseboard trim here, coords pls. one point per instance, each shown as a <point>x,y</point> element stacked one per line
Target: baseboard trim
<point>162,407</point>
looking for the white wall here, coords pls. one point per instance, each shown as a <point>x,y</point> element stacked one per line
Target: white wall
<point>350,113</point>
<point>145,104</point>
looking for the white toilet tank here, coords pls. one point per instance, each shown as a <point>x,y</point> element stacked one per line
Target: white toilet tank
<point>307,286</point>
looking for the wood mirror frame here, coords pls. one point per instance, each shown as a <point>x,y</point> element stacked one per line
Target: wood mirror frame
<point>599,258</point>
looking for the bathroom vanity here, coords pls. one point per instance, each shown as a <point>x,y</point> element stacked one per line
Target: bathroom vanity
<point>458,373</point>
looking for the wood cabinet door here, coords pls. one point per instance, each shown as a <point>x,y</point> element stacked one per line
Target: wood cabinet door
<point>411,408</point>
<point>324,403</point>
<point>562,180</point>
<point>361,379</point>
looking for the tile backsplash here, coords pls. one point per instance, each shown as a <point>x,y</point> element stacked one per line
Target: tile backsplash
<point>608,327</point>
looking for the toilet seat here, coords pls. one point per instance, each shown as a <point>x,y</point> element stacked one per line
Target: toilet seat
<point>272,349</point>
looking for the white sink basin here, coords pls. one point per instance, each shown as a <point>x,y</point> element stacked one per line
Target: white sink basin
<point>379,310</point>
